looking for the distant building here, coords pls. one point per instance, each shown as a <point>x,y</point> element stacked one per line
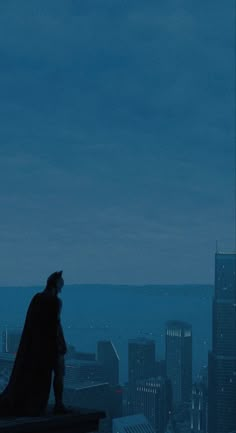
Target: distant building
<point>202,377</point>
<point>85,356</point>
<point>132,424</point>
<point>141,359</point>
<point>78,372</point>
<point>108,357</point>
<point>179,360</point>
<point>72,353</point>
<point>153,399</point>
<point>181,417</point>
<point>141,365</point>
<point>222,359</point>
<point>160,368</point>
<point>126,399</point>
<point>11,340</point>
<point>199,408</point>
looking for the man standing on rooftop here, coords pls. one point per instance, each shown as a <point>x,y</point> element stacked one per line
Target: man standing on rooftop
<point>41,352</point>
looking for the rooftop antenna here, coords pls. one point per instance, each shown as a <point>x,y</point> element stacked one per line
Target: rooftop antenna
<point>217,249</point>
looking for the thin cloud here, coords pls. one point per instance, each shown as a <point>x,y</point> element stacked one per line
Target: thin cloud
<point>116,137</point>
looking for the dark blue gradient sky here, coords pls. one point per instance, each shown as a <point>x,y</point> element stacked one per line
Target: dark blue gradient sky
<point>116,139</point>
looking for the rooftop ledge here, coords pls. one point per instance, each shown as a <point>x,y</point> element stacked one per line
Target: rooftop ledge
<point>79,421</point>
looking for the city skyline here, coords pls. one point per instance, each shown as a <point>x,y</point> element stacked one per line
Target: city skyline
<point>161,388</point>
<point>118,215</point>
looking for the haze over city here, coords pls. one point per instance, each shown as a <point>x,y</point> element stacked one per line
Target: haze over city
<point>117,140</point>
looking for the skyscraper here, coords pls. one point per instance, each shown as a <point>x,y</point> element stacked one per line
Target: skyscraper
<point>141,365</point>
<point>79,371</point>
<point>108,357</point>
<point>153,399</point>
<point>222,359</point>
<point>199,408</point>
<point>141,359</point>
<point>179,360</point>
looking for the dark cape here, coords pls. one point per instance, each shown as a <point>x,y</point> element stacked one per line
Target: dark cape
<point>28,390</point>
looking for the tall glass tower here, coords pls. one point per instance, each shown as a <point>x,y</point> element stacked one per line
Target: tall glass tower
<point>108,357</point>
<point>222,359</point>
<point>179,360</point>
<point>141,365</point>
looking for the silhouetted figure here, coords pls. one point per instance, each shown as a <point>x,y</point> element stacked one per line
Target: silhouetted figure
<point>41,352</point>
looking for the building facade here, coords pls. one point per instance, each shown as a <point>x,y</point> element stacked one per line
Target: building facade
<point>199,408</point>
<point>153,399</point>
<point>78,372</point>
<point>222,358</point>
<point>141,365</point>
<point>108,357</point>
<point>179,360</point>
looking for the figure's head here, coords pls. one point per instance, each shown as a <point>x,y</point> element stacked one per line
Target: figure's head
<point>55,282</point>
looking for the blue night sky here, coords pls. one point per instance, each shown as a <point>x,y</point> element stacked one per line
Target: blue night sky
<point>116,139</point>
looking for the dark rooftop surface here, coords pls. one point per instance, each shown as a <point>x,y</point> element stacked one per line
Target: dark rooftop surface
<point>79,421</point>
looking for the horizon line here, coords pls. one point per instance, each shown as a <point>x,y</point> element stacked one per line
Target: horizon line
<point>114,285</point>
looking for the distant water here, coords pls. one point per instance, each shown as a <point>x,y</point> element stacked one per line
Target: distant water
<point>94,312</point>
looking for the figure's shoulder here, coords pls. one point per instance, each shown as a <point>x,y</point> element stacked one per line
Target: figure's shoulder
<point>41,298</point>
<point>35,300</point>
<point>36,297</point>
<point>35,305</point>
<point>51,301</point>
